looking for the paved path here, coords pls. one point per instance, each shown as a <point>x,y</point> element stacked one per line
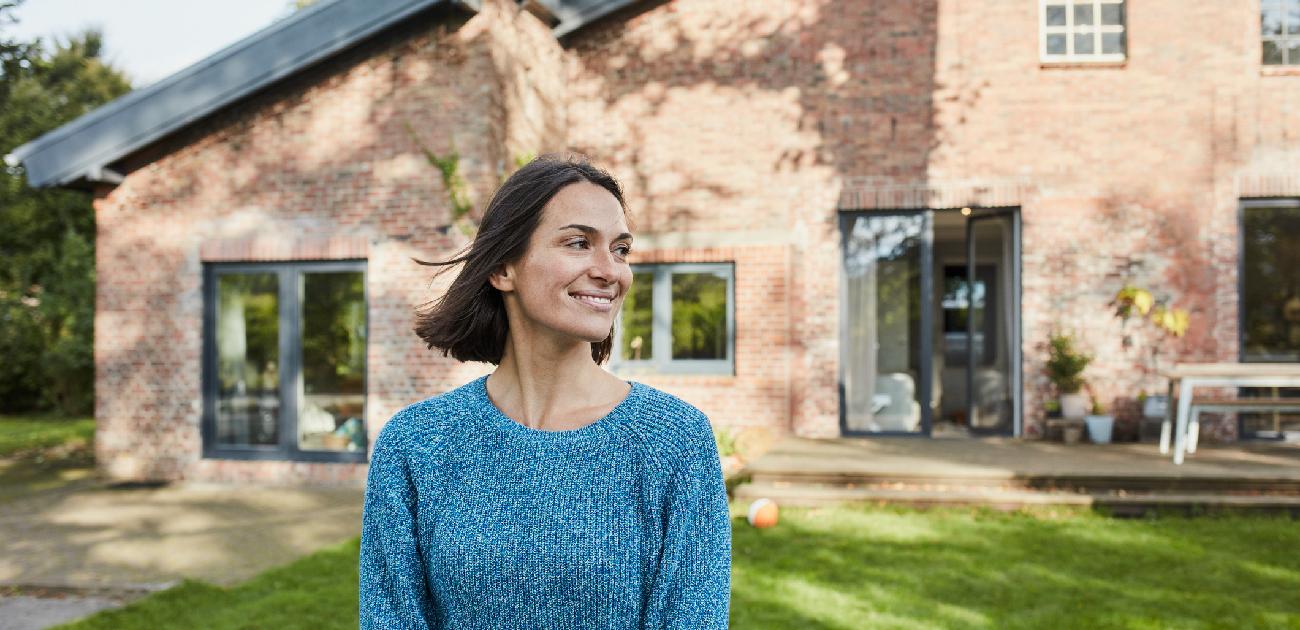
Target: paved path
<point>97,544</point>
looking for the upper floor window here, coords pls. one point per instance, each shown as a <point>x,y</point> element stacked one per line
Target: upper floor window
<point>678,318</point>
<point>1082,30</point>
<point>1279,26</point>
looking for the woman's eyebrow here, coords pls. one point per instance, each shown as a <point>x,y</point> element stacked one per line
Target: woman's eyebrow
<point>587,229</point>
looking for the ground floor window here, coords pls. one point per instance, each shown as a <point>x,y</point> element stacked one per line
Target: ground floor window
<point>1270,301</point>
<point>678,318</point>
<point>284,361</point>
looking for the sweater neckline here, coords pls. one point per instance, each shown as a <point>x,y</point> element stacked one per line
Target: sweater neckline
<point>600,427</point>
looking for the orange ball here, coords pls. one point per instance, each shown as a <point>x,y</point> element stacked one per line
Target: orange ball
<point>763,513</point>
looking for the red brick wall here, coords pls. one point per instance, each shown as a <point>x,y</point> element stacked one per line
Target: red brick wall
<point>739,131</point>
<point>731,117</point>
<point>320,167</point>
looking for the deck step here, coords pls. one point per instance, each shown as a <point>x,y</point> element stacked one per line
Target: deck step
<point>1120,502</point>
<point>1037,482</point>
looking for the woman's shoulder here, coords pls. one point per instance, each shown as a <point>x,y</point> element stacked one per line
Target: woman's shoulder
<point>427,421</point>
<point>671,428</point>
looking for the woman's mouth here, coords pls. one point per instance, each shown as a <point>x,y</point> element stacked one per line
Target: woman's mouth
<point>595,303</point>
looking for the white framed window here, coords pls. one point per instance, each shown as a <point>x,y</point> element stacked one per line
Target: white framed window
<point>1279,29</point>
<point>1082,30</point>
<point>678,318</point>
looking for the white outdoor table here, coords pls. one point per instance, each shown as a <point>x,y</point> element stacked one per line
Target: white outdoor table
<point>1188,376</point>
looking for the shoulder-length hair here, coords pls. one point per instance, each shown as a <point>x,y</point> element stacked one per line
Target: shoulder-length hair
<point>469,320</point>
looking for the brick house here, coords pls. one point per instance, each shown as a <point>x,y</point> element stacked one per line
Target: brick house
<point>816,188</point>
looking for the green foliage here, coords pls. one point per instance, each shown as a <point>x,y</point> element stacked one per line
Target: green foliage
<point>457,190</point>
<point>1065,363</point>
<point>725,438</point>
<point>47,236</point>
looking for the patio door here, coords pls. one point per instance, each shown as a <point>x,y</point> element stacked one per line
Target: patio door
<point>992,322</point>
<point>930,323</point>
<point>887,272</point>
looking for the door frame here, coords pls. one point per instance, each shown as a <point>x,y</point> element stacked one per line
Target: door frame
<point>1015,360</point>
<point>845,221</point>
<point>924,385</point>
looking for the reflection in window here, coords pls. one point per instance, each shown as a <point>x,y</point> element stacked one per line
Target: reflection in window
<point>956,308</point>
<point>1270,300</point>
<point>684,308</point>
<point>248,359</point>
<point>638,318</point>
<point>333,337</point>
<point>699,316</point>
<point>1279,29</point>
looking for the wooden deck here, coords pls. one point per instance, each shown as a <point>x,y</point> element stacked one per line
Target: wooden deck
<point>1009,473</point>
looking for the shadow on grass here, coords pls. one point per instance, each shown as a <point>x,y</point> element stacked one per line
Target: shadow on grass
<point>854,567</point>
<point>886,567</point>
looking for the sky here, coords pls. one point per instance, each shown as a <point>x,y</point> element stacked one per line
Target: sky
<point>150,39</point>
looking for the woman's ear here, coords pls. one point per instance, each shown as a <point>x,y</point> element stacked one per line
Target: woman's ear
<point>503,278</point>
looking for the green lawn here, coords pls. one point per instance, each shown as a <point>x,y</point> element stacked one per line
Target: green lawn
<point>27,432</point>
<point>872,567</point>
<point>41,453</point>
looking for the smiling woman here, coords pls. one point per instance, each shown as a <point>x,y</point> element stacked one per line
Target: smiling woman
<point>549,493</point>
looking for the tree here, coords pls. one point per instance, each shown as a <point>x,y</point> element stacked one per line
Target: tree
<point>47,235</point>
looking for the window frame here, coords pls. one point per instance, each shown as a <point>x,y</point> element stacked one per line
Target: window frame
<point>661,324</point>
<point>1242,208</point>
<point>1069,31</point>
<point>1284,38</point>
<point>289,303</point>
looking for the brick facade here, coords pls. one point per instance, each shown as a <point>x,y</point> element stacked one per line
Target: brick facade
<point>739,136</point>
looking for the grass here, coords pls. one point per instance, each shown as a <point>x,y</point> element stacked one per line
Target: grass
<point>885,567</point>
<point>29,432</point>
<point>40,453</point>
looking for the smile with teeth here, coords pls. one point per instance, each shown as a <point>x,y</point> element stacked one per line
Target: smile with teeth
<point>592,300</point>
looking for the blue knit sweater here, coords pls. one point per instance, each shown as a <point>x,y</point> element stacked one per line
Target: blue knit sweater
<point>473,520</point>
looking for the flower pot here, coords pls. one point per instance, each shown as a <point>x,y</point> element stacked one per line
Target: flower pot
<point>1099,428</point>
<point>1071,433</point>
<point>1074,406</point>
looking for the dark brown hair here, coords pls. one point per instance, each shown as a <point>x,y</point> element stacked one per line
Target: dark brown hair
<point>469,320</point>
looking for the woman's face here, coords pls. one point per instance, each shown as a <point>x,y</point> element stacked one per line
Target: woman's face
<point>577,256</point>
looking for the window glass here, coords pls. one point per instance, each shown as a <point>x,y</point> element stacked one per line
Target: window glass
<point>1112,14</point>
<point>1083,43</point>
<point>699,311</point>
<point>638,318</point>
<point>1055,15</point>
<point>1270,300</point>
<point>248,359</point>
<point>1082,15</point>
<point>1082,30</point>
<point>333,337</point>
<point>1270,18</point>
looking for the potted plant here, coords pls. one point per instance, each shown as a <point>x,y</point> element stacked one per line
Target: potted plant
<point>1100,424</point>
<point>1065,366</point>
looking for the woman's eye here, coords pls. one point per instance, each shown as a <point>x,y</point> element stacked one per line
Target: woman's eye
<point>626,250</point>
<point>581,240</point>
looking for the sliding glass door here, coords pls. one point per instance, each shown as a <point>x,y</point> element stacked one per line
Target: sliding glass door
<point>930,323</point>
<point>886,273</point>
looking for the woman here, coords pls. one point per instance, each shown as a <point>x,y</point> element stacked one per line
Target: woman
<point>550,493</point>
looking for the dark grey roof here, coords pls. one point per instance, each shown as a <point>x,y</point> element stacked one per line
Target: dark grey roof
<point>83,149</point>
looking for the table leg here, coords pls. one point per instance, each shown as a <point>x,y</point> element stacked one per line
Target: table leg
<point>1193,428</point>
<point>1169,415</point>
<point>1180,424</point>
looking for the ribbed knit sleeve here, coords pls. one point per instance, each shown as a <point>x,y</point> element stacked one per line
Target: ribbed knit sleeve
<point>691,587</point>
<point>393,590</point>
